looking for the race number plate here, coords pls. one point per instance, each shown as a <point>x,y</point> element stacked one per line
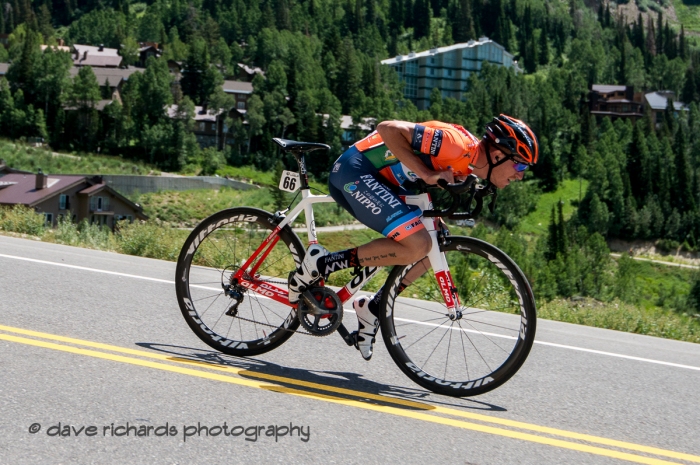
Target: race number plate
<point>289,181</point>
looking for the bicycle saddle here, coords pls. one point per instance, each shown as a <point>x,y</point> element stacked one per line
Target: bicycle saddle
<point>295,146</point>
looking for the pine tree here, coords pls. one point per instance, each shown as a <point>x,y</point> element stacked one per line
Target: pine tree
<point>282,15</point>
<point>531,55</point>
<point>682,44</point>
<point>659,36</point>
<point>638,164</point>
<point>544,44</point>
<point>683,198</point>
<point>463,25</point>
<point>2,18</point>
<point>651,38</point>
<point>669,42</point>
<point>422,14</point>
<point>622,71</point>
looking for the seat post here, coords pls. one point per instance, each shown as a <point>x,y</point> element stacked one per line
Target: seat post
<point>304,177</point>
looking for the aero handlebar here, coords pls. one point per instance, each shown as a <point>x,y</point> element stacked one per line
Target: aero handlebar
<point>476,193</point>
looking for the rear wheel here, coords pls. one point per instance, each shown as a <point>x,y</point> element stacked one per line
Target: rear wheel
<point>233,319</point>
<point>480,349</point>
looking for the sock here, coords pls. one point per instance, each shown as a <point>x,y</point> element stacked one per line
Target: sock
<point>337,261</point>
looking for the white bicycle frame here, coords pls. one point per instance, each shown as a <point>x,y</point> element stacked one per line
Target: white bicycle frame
<point>437,259</point>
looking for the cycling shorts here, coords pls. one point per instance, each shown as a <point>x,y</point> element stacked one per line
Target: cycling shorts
<point>356,185</point>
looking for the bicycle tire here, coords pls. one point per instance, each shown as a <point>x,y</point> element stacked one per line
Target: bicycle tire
<point>209,256</point>
<point>492,343</point>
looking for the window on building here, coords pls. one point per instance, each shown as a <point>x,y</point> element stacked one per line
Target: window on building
<point>411,88</point>
<point>240,105</point>
<point>99,203</point>
<point>63,202</point>
<point>432,71</point>
<point>202,126</point>
<point>412,68</point>
<point>48,218</point>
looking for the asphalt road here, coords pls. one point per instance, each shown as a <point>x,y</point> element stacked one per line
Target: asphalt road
<point>95,341</point>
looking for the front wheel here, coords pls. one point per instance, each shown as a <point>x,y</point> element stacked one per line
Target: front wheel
<point>229,318</point>
<point>480,349</point>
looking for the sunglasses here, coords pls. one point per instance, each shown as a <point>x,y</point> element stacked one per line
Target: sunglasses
<point>520,167</point>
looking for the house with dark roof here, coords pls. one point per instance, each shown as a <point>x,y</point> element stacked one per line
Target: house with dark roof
<point>147,50</point>
<point>615,102</point>
<point>70,196</point>
<point>658,101</point>
<point>210,128</point>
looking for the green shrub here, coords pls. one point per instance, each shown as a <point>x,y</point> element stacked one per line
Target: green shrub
<point>667,245</point>
<point>22,220</point>
<point>149,240</point>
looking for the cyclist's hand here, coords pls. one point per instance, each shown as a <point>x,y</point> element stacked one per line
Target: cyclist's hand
<point>447,175</point>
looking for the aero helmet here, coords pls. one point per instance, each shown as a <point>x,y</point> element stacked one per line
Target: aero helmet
<point>513,137</point>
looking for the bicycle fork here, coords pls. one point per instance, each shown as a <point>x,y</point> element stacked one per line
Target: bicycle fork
<point>438,260</point>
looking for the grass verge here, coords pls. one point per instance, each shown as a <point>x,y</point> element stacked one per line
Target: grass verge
<point>26,158</point>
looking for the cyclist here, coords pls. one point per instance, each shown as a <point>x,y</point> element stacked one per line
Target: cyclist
<point>368,178</point>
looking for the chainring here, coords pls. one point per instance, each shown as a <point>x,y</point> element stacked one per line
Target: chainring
<point>320,311</point>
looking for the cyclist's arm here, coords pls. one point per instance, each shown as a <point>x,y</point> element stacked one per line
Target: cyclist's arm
<point>397,135</point>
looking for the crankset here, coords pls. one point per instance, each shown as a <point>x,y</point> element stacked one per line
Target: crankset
<point>320,311</point>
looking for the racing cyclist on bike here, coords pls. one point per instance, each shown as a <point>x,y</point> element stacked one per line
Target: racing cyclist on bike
<point>368,178</point>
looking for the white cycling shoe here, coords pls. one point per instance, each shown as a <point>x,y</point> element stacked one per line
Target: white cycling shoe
<point>307,274</point>
<point>367,326</point>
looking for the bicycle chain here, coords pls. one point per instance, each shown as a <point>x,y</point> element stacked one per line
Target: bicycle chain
<point>272,326</point>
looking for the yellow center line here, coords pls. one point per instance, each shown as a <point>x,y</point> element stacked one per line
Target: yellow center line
<point>385,399</point>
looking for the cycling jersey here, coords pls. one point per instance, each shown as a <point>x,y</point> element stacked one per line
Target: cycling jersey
<point>438,145</point>
<point>365,178</point>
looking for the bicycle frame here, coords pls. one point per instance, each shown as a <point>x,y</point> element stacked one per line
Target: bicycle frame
<point>249,279</point>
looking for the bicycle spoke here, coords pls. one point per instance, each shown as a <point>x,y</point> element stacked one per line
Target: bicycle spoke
<point>490,324</point>
<point>475,348</point>
<point>436,345</point>
<point>420,321</point>
<point>464,352</point>
<point>419,339</point>
<point>447,358</point>
<point>208,297</point>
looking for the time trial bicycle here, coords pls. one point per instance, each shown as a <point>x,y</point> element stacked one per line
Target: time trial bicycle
<point>460,322</point>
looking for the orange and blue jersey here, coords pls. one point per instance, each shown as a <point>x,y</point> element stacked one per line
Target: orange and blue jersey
<point>366,179</point>
<point>438,145</point>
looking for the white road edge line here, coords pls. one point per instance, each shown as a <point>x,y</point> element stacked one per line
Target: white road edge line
<point>551,344</point>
